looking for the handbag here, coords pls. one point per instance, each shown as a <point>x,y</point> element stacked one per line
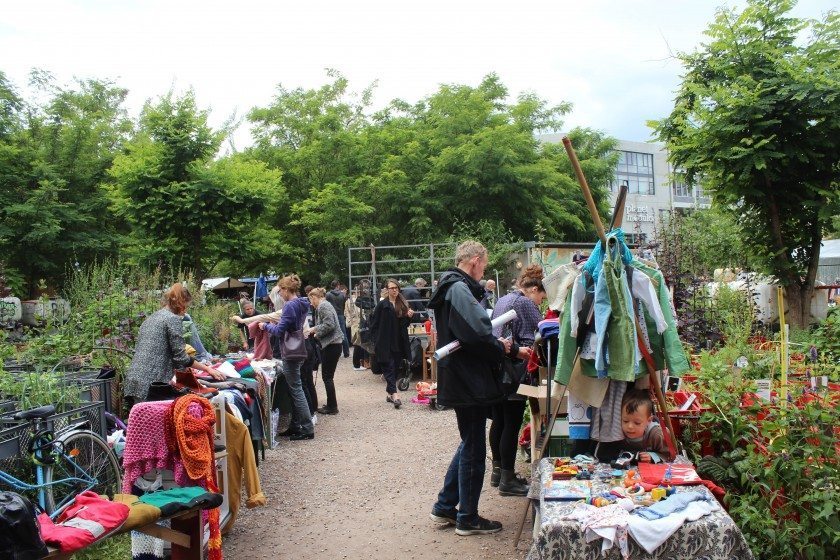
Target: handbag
<point>513,373</point>
<point>293,347</point>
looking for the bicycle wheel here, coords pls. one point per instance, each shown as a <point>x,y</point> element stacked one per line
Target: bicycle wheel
<point>85,455</point>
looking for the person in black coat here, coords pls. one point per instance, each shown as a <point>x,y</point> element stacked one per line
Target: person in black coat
<point>469,381</point>
<point>389,330</point>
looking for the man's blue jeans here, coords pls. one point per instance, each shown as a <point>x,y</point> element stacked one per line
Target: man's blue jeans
<point>465,475</point>
<point>345,344</point>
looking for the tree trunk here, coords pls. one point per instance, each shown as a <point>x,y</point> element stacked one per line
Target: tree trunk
<point>798,299</point>
<point>196,255</point>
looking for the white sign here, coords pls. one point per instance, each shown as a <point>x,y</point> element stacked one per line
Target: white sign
<point>763,388</point>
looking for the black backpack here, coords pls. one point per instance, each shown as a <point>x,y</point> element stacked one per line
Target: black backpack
<point>20,534</point>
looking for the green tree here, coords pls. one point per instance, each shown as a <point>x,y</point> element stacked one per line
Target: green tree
<point>757,121</point>
<point>54,157</point>
<point>408,173</point>
<point>314,138</point>
<point>183,206</point>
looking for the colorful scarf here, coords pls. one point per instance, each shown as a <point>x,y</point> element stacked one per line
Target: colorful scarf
<point>194,437</point>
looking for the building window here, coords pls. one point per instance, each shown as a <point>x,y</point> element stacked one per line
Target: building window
<point>636,169</point>
<point>635,238</point>
<point>682,190</point>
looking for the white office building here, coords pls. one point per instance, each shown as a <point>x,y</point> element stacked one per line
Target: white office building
<point>653,192</point>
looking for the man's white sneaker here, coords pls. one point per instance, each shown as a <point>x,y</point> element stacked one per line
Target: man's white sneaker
<point>360,368</point>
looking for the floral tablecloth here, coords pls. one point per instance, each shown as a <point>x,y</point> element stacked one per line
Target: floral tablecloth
<point>712,537</point>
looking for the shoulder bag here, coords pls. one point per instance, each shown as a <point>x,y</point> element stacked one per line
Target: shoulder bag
<point>293,346</point>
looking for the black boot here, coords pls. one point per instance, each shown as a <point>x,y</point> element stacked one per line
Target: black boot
<point>496,474</point>
<point>512,485</point>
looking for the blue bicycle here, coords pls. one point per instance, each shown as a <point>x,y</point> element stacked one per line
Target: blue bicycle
<point>67,462</point>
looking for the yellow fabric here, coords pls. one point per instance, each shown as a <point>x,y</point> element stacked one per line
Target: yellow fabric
<point>241,463</point>
<point>139,515</point>
<point>189,350</point>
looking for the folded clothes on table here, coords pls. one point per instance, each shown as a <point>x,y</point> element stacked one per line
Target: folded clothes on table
<point>178,499</point>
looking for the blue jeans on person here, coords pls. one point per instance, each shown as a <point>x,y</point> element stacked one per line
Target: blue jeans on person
<point>301,419</point>
<point>345,344</point>
<point>465,475</point>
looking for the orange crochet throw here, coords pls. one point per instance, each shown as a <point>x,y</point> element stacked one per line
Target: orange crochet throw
<point>194,437</point>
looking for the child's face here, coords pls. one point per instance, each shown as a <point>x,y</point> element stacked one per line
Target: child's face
<point>633,424</point>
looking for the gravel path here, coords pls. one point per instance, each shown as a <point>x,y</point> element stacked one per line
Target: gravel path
<point>363,488</point>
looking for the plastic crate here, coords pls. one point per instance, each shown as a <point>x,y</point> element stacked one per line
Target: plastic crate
<point>19,430</point>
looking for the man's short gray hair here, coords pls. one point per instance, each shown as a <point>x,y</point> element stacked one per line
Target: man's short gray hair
<point>469,249</point>
<point>420,282</point>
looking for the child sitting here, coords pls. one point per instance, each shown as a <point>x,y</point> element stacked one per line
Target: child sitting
<point>640,433</point>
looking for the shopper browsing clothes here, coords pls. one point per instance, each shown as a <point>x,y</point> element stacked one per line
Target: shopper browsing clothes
<point>469,383</point>
<point>291,321</point>
<point>389,329</point>
<point>507,415</point>
<point>328,332</point>
<point>160,347</point>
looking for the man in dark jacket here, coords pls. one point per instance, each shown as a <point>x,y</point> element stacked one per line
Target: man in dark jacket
<point>416,300</point>
<point>337,298</point>
<point>469,381</point>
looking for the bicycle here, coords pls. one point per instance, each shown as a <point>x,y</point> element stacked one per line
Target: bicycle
<point>67,462</point>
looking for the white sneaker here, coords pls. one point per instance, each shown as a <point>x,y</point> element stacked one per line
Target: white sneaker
<point>314,419</point>
<point>360,368</point>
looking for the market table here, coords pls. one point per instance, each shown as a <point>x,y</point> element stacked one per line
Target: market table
<point>185,534</point>
<point>712,537</point>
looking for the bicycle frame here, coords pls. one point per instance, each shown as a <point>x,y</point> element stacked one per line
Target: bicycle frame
<point>40,485</point>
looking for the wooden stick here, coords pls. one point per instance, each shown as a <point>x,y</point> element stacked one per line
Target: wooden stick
<point>657,390</point>
<point>552,416</point>
<point>618,211</point>
<point>587,194</point>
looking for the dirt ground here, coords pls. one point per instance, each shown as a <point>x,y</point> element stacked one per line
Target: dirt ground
<point>363,488</point>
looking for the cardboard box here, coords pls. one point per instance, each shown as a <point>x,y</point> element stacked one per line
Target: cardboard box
<point>539,394</point>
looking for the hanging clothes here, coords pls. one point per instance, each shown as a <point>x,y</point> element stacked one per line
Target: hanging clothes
<point>667,348</point>
<point>616,356</point>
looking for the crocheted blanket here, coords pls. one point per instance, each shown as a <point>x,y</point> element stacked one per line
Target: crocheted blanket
<point>145,444</point>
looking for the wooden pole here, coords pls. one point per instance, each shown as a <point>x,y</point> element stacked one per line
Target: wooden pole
<point>783,347</point>
<point>618,211</point>
<point>587,194</point>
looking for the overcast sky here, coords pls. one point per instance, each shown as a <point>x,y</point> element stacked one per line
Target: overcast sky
<point>611,59</point>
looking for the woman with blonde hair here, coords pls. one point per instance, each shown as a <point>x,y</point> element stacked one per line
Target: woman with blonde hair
<point>161,348</point>
<point>292,318</point>
<point>389,330</point>
<point>327,330</point>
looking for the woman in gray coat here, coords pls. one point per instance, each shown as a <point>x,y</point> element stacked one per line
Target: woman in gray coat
<point>331,338</point>
<point>160,347</point>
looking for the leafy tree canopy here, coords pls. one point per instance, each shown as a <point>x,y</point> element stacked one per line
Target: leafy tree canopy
<point>757,121</point>
<point>409,173</point>
<point>183,206</point>
<point>54,156</point>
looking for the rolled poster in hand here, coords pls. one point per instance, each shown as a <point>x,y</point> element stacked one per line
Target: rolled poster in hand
<point>502,319</point>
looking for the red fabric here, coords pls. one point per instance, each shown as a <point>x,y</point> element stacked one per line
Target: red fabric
<point>652,475</point>
<point>262,343</point>
<point>68,534</point>
<point>534,361</point>
<point>244,362</point>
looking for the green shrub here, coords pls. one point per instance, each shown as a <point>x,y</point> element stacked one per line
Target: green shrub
<point>778,464</point>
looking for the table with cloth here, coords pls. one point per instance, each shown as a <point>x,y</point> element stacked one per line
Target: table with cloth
<point>711,537</point>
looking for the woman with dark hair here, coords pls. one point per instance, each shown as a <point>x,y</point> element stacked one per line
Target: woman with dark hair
<point>507,415</point>
<point>161,348</point>
<point>291,320</point>
<point>389,331</point>
<point>327,330</point>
